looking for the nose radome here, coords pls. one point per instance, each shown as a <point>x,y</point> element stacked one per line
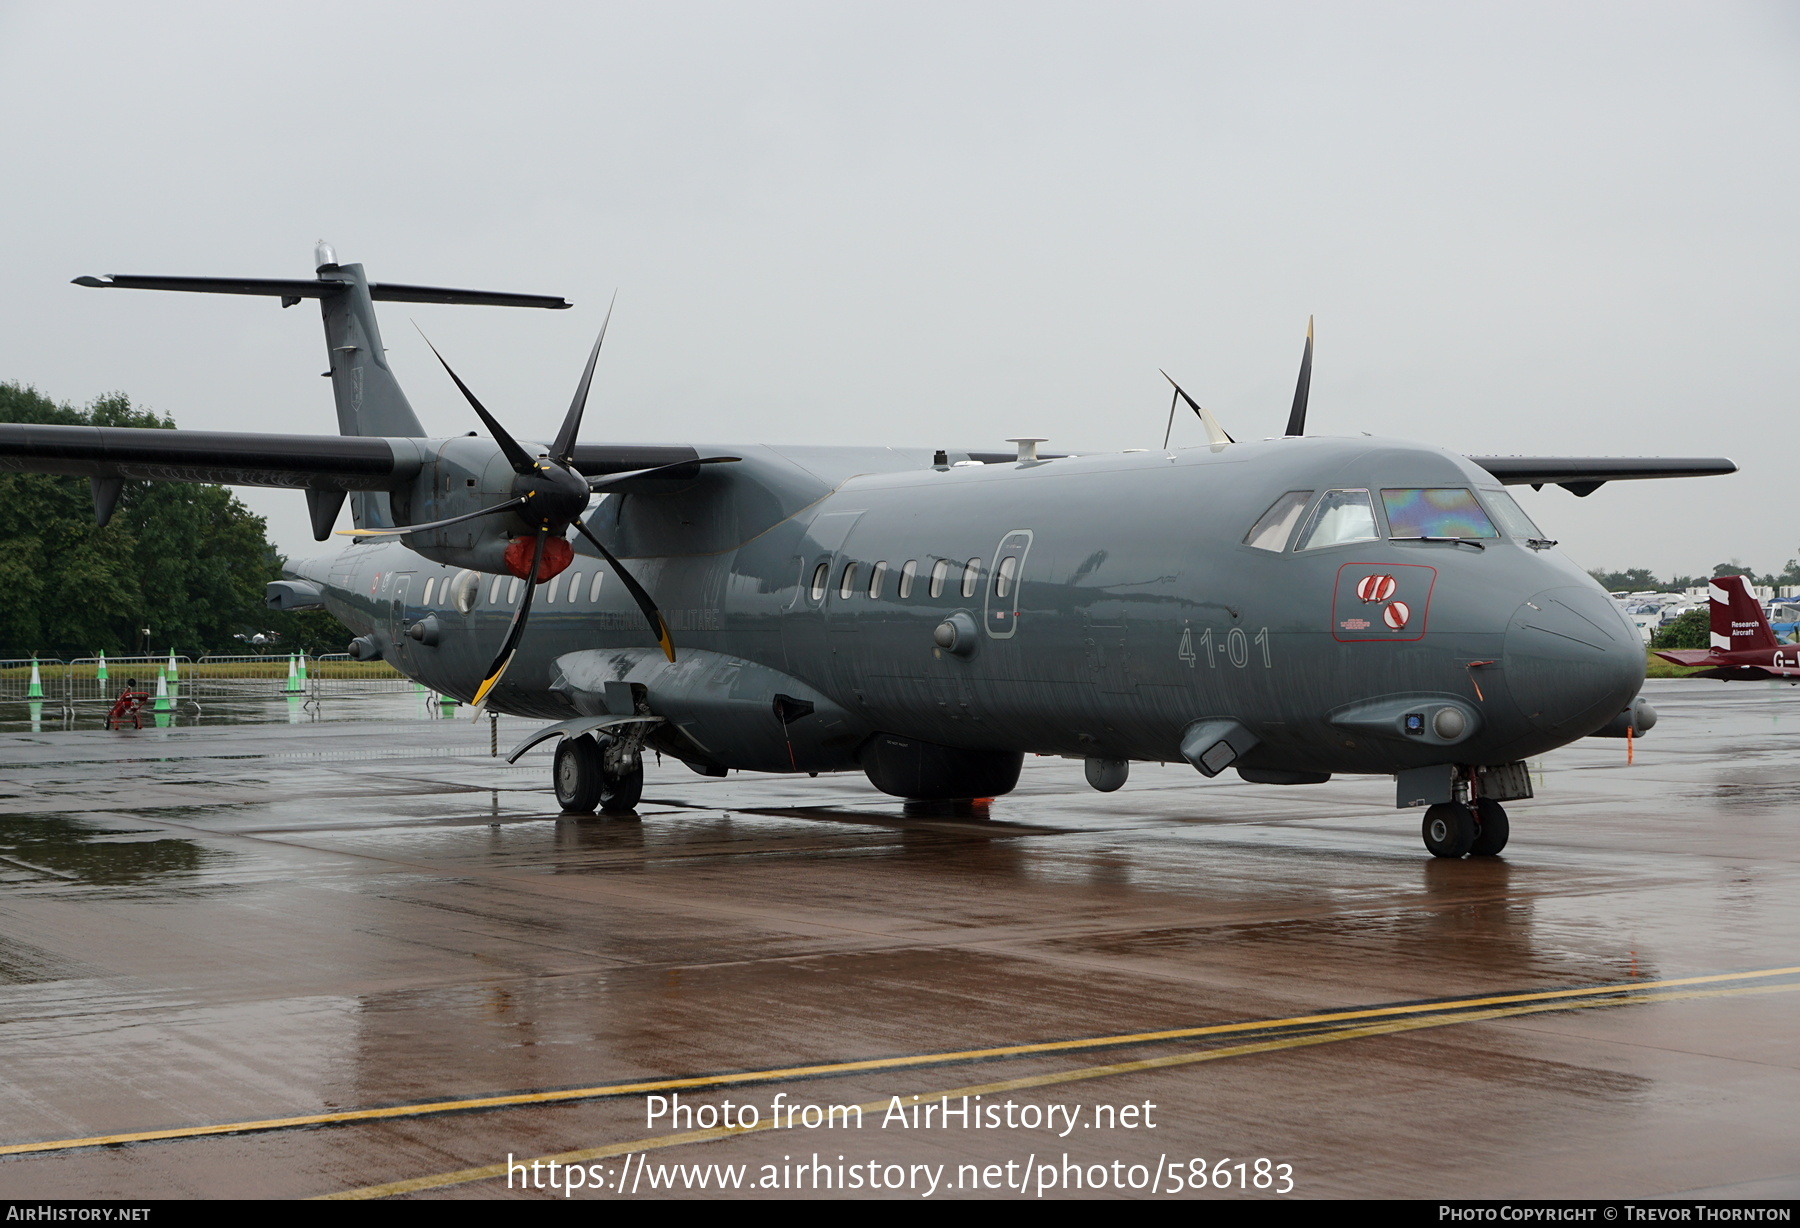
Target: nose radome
<point>1572,662</point>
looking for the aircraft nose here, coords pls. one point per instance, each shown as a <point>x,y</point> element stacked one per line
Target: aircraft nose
<point>1572,662</point>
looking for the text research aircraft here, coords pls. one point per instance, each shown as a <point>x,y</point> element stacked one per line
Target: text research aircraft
<point>1743,643</point>
<point>1291,608</point>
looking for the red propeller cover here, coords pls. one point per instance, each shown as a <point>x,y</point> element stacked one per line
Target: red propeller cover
<point>558,554</point>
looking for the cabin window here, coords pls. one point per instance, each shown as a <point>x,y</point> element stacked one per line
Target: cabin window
<point>820,574</point>
<point>512,593</point>
<point>594,588</point>
<point>1003,576</point>
<point>848,584</point>
<point>971,577</point>
<point>876,575</point>
<point>494,591</point>
<point>907,573</point>
<point>1442,512</point>
<point>939,570</point>
<point>426,599</point>
<point>574,588</point>
<point>550,593</point>
<point>1277,524</point>
<point>1512,517</point>
<point>1342,516</point>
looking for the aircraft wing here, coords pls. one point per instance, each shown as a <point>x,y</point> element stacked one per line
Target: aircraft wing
<point>331,462</point>
<point>232,458</point>
<point>1583,475</point>
<point>1685,656</point>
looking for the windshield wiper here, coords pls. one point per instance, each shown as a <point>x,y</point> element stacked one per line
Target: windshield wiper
<point>1454,541</point>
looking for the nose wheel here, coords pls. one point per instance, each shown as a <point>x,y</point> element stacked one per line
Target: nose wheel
<point>1455,829</point>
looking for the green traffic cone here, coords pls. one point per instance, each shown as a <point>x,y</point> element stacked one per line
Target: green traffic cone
<point>163,703</point>
<point>36,690</point>
<point>100,672</point>
<point>293,681</point>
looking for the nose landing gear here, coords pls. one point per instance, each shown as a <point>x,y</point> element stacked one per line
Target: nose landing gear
<point>1456,829</point>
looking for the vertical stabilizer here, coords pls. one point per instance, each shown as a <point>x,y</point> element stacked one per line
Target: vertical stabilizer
<point>1738,622</point>
<point>369,400</point>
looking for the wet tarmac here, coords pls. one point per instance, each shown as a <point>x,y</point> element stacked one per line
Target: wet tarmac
<point>244,923</point>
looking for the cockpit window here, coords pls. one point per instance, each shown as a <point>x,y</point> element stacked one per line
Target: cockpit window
<point>1277,524</point>
<point>1342,516</point>
<point>1513,520</point>
<point>1440,512</point>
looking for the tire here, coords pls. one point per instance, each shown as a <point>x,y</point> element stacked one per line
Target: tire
<point>617,794</point>
<point>621,796</point>
<point>1448,829</point>
<point>1490,819</point>
<point>576,775</point>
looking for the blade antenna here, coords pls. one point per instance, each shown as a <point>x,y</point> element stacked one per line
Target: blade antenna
<point>1296,424</point>
<point>651,614</point>
<point>1214,432</point>
<point>563,450</point>
<point>504,657</point>
<point>516,456</point>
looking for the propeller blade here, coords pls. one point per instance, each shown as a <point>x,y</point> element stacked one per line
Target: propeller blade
<point>609,479</point>
<point>508,506</point>
<point>1297,416</point>
<point>516,456</point>
<point>564,447</point>
<point>1214,432</point>
<point>651,613</point>
<point>504,657</point>
<point>1174,400</point>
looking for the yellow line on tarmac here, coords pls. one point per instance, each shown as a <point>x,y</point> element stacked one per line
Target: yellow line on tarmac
<point>782,1074</point>
<point>1322,1036</point>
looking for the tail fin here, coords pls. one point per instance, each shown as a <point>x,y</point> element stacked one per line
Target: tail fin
<point>369,399</point>
<point>1738,621</point>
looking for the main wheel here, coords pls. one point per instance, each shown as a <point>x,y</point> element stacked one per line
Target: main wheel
<point>619,794</point>
<point>1490,818</point>
<point>1449,829</point>
<point>580,785</point>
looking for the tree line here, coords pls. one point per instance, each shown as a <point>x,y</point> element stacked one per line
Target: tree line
<point>1639,579</point>
<point>179,566</point>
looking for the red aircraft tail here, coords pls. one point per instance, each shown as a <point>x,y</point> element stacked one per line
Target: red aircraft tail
<point>1738,622</point>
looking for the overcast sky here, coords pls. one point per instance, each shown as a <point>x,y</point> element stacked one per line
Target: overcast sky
<point>1524,228</point>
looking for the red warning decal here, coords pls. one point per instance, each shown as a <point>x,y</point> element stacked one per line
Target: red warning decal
<point>1402,591</point>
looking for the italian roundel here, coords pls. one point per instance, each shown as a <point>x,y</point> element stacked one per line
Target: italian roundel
<point>1387,601</point>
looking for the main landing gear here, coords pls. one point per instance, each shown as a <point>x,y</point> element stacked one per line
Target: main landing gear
<point>1456,829</point>
<point>601,771</point>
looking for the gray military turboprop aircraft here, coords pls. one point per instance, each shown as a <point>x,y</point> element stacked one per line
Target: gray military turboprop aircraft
<point>1289,608</point>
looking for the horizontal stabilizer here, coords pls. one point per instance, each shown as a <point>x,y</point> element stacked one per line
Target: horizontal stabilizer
<point>1583,475</point>
<point>292,290</point>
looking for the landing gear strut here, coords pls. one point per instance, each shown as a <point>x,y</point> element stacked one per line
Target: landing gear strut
<point>604,771</point>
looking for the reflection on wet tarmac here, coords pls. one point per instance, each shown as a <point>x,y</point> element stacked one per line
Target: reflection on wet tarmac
<point>406,918</point>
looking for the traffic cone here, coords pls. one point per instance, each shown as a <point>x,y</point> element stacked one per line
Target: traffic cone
<point>36,690</point>
<point>293,682</point>
<point>162,703</point>
<point>303,671</point>
<point>100,672</point>
<point>174,671</point>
